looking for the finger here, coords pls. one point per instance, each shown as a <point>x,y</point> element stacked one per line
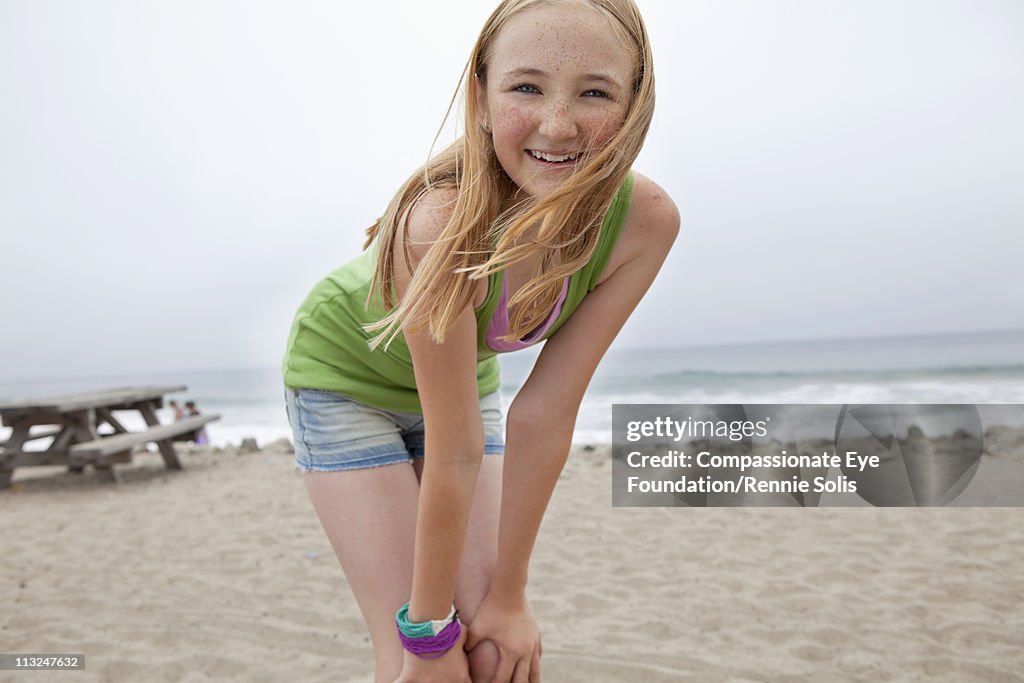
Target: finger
<point>506,664</point>
<point>535,665</point>
<point>522,674</point>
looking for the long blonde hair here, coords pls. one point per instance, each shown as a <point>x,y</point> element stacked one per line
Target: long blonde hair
<point>480,238</point>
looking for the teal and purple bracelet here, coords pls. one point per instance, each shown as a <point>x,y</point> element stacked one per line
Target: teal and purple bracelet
<point>428,639</point>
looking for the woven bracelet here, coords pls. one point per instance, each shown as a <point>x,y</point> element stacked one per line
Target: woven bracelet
<point>428,639</point>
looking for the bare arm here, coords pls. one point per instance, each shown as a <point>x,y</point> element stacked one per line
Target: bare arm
<point>446,381</point>
<point>543,415</point>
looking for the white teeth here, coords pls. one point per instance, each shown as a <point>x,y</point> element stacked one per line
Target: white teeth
<point>551,157</point>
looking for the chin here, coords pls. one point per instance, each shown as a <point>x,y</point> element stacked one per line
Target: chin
<point>539,189</point>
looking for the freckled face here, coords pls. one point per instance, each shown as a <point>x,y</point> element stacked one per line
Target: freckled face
<point>558,82</point>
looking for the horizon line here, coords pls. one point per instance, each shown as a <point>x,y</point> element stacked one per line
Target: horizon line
<point>701,345</point>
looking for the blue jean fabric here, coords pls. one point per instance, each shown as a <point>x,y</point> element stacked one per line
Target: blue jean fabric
<point>333,432</point>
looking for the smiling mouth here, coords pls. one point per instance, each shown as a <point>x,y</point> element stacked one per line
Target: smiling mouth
<point>553,159</point>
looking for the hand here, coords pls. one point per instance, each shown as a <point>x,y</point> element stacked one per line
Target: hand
<point>509,624</point>
<point>451,667</point>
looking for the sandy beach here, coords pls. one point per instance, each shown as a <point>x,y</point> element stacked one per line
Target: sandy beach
<point>221,572</point>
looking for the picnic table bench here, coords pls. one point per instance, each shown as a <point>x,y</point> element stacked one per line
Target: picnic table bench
<point>75,420</point>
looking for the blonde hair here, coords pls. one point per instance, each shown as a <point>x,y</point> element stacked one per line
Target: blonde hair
<point>479,237</point>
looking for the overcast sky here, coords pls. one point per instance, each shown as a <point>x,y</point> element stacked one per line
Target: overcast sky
<point>175,176</point>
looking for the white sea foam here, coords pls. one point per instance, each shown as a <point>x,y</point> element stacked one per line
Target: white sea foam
<point>977,369</point>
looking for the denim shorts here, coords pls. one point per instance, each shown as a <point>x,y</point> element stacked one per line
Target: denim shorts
<point>333,432</point>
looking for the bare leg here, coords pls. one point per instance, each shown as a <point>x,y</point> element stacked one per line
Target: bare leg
<point>369,516</point>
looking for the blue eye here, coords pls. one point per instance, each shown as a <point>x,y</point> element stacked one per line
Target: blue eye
<point>600,93</point>
<point>520,88</point>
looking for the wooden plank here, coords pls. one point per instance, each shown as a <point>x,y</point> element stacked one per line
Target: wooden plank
<point>10,452</point>
<point>40,458</point>
<point>104,415</point>
<point>165,444</point>
<point>63,439</point>
<point>19,435</point>
<point>44,458</point>
<point>44,435</point>
<point>104,398</point>
<point>149,414</point>
<point>95,398</point>
<point>107,472</point>
<point>83,425</point>
<point>123,456</point>
<point>32,419</point>
<point>155,434</point>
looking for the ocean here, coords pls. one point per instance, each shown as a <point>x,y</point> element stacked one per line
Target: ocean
<point>979,368</point>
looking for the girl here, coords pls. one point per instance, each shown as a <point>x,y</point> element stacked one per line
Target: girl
<point>530,227</point>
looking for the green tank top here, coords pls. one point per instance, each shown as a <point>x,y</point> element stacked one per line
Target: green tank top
<point>329,349</point>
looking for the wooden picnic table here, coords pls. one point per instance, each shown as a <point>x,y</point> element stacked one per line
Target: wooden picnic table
<point>74,420</point>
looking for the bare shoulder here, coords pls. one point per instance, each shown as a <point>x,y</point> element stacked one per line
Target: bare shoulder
<point>444,370</point>
<point>653,212</point>
<point>650,229</point>
<point>425,221</point>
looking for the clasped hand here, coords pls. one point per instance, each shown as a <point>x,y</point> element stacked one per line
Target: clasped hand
<point>509,624</point>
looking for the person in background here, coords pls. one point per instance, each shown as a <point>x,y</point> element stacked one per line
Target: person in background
<point>202,438</point>
<point>179,412</point>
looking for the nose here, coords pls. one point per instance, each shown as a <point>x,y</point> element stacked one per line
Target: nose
<point>558,121</point>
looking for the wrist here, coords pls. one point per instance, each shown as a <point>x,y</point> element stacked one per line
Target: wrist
<point>507,595</point>
<point>509,583</point>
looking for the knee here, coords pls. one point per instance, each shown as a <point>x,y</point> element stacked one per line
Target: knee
<point>483,662</point>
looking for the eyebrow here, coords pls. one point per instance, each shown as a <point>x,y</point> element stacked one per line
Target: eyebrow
<point>524,71</point>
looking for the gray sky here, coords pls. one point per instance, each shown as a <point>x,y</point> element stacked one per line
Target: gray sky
<point>174,177</point>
